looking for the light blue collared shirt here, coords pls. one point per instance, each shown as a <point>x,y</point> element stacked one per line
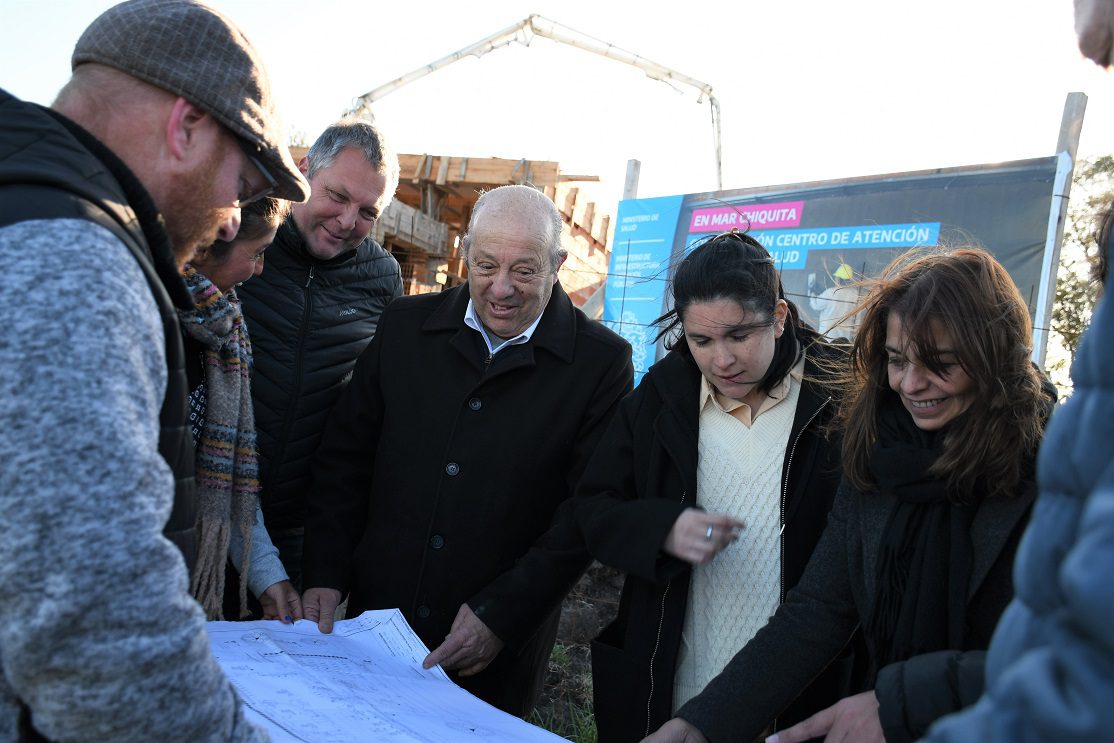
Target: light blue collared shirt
<point>495,344</point>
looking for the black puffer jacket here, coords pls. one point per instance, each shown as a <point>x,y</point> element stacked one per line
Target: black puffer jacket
<point>309,320</point>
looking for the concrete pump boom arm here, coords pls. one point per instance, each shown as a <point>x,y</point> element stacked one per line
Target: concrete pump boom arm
<point>536,25</point>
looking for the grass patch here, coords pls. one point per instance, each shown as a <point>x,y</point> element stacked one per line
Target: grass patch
<point>565,707</point>
<point>574,722</point>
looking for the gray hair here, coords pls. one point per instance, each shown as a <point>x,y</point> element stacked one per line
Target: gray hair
<point>352,132</point>
<point>519,199</point>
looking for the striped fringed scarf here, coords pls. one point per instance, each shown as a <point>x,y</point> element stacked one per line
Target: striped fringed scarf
<point>226,471</point>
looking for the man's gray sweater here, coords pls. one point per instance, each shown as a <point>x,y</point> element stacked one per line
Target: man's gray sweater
<point>99,636</point>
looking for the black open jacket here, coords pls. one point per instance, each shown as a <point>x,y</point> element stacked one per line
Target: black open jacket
<point>641,478</point>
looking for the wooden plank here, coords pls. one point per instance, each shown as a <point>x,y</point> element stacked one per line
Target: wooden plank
<point>485,171</point>
<point>570,202</point>
<point>489,171</point>
<point>404,224</point>
<point>418,166</point>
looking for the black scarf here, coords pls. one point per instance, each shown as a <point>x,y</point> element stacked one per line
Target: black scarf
<point>925,554</point>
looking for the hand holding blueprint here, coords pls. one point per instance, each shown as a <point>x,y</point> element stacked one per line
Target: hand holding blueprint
<point>363,682</point>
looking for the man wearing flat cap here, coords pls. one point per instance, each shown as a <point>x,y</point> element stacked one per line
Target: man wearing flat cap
<point>165,129</point>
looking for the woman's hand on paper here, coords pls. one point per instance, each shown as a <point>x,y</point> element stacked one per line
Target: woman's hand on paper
<point>281,601</point>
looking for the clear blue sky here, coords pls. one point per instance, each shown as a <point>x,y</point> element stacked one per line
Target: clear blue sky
<point>810,90</point>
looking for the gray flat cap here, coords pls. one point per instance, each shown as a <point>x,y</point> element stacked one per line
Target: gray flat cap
<point>195,52</point>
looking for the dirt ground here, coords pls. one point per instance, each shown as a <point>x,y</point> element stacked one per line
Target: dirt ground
<point>566,704</point>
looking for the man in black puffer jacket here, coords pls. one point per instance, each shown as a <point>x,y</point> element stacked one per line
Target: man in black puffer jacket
<point>313,310</point>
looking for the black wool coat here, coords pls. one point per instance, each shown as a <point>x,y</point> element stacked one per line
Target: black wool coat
<point>642,477</point>
<point>441,471</point>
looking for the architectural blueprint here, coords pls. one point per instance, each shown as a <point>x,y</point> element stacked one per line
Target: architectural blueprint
<point>363,682</point>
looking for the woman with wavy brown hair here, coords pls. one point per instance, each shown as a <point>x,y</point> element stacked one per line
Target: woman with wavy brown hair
<point>942,416</point>
<point>967,298</point>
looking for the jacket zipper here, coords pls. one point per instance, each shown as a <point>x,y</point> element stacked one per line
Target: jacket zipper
<point>288,424</point>
<point>785,496</point>
<point>657,641</point>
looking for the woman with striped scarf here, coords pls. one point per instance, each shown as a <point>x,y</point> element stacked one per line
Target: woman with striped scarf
<point>218,353</point>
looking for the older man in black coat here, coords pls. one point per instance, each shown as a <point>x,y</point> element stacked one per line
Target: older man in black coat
<point>466,425</point>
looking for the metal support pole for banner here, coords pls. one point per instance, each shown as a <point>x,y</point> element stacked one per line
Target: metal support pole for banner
<point>1072,123</point>
<point>630,186</point>
<point>1067,145</point>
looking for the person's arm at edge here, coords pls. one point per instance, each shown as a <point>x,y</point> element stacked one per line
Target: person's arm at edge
<point>267,578</point>
<point>264,569</point>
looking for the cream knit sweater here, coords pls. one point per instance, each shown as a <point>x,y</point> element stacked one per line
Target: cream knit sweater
<point>733,596</point>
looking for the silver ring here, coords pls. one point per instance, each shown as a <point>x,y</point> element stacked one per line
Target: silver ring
<point>708,534</point>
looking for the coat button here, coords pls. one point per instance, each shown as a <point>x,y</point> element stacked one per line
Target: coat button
<point>437,541</point>
<point>452,468</point>
<point>423,612</point>
<point>475,403</point>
